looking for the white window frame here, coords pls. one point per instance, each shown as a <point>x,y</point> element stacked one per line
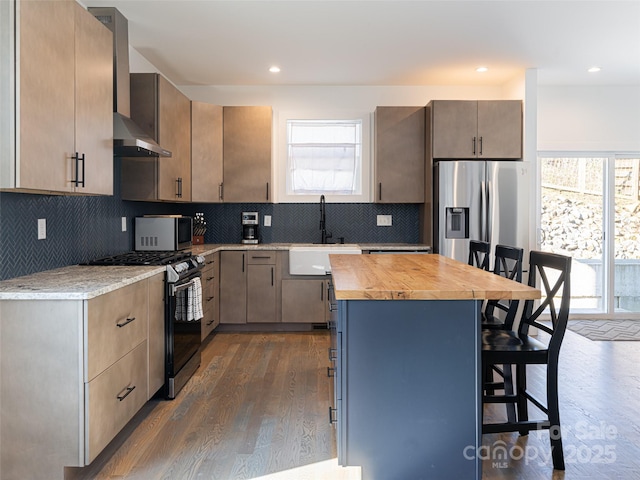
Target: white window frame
<point>281,156</point>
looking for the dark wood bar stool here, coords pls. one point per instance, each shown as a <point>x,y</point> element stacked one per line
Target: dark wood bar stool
<point>479,252</point>
<point>505,347</point>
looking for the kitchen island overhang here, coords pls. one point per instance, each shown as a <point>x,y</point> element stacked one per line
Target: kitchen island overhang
<point>409,368</point>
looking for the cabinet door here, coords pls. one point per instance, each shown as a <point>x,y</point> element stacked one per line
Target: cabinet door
<point>261,293</point>
<point>233,287</point>
<point>94,102</point>
<point>500,129</point>
<point>46,96</point>
<point>399,154</point>
<point>247,154</point>
<point>206,152</point>
<point>454,129</point>
<point>304,301</point>
<point>174,134</point>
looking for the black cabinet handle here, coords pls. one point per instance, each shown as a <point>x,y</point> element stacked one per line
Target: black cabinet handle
<point>272,279</point>
<point>209,323</point>
<point>333,354</point>
<point>380,191</point>
<point>126,322</point>
<point>474,145</point>
<point>210,278</point>
<point>331,372</point>
<point>79,158</point>
<point>321,292</point>
<point>332,418</point>
<point>221,191</point>
<point>480,140</point>
<point>126,393</point>
<point>267,191</point>
<point>243,263</point>
<point>179,187</point>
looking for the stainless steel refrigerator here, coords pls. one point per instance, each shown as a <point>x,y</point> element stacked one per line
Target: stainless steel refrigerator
<point>479,200</point>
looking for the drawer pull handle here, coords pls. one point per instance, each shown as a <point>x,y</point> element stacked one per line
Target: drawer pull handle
<point>331,372</point>
<point>255,257</point>
<point>126,393</point>
<point>209,323</point>
<point>210,298</point>
<point>126,322</point>
<point>332,417</point>
<point>333,354</point>
<point>210,278</point>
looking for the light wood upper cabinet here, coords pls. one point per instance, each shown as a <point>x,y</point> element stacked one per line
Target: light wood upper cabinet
<point>399,154</point>
<point>164,113</point>
<point>206,152</point>
<point>486,129</point>
<point>59,112</point>
<point>247,154</point>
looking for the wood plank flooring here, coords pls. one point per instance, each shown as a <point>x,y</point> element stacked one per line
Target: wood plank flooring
<point>258,407</point>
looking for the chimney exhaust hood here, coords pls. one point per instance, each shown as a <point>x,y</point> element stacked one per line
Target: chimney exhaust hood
<point>129,140</point>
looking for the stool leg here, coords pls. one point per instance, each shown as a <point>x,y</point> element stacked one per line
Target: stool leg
<point>508,390</point>
<point>521,387</point>
<point>555,434</point>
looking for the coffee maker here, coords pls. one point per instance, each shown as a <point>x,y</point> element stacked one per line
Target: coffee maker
<point>250,227</point>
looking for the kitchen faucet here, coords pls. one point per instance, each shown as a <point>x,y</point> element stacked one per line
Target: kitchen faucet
<point>323,228</point>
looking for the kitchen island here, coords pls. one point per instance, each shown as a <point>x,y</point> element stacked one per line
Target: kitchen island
<point>407,383</point>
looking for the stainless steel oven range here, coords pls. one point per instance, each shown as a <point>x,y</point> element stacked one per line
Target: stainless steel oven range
<point>183,310</point>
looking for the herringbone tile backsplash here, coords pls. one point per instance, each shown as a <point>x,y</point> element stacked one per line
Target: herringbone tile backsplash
<point>82,228</point>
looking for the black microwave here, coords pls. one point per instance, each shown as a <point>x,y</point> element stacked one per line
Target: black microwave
<point>163,232</point>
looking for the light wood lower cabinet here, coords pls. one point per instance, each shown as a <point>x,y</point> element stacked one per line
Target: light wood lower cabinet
<point>113,398</point>
<point>74,373</point>
<point>210,295</point>
<point>233,287</point>
<point>304,301</point>
<point>249,287</point>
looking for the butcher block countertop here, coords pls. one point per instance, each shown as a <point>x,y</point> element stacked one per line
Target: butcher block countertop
<point>419,277</point>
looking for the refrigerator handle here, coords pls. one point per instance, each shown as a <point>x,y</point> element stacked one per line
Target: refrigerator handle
<point>483,211</point>
<point>489,209</point>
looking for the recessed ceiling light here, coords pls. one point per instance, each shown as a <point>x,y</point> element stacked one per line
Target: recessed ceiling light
<point>482,69</point>
<point>274,69</point>
<point>594,69</point>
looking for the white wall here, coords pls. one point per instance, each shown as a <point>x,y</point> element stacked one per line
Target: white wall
<point>599,118</point>
<point>364,98</point>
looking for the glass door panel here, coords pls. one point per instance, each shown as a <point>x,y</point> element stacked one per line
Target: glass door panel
<point>626,294</point>
<point>571,224</point>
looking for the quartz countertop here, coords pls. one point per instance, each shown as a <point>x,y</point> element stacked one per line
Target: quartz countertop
<point>83,282</point>
<point>419,277</point>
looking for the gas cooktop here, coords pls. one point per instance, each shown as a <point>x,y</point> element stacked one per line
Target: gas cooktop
<point>143,258</point>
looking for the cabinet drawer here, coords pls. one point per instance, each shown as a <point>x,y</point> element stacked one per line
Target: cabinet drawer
<point>115,323</point>
<point>209,264</point>
<point>261,257</point>
<point>113,398</point>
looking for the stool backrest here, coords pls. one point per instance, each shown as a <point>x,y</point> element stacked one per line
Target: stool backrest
<point>554,272</point>
<point>479,252</point>
<point>508,264</point>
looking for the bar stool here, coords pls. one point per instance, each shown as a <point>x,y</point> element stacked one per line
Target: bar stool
<point>508,347</point>
<point>479,252</point>
<point>500,315</point>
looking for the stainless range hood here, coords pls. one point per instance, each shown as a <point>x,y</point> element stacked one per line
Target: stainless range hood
<point>129,140</point>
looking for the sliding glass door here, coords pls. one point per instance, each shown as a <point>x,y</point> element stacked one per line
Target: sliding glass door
<point>590,210</point>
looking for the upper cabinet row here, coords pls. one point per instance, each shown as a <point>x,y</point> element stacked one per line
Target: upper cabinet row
<point>446,129</point>
<point>218,153</point>
<point>63,93</point>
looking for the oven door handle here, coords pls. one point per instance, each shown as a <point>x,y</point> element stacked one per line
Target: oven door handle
<point>182,286</point>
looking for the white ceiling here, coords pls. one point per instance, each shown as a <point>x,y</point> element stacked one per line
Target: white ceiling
<point>385,42</point>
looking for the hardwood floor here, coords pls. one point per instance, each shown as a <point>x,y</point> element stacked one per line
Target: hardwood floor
<point>258,407</point>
